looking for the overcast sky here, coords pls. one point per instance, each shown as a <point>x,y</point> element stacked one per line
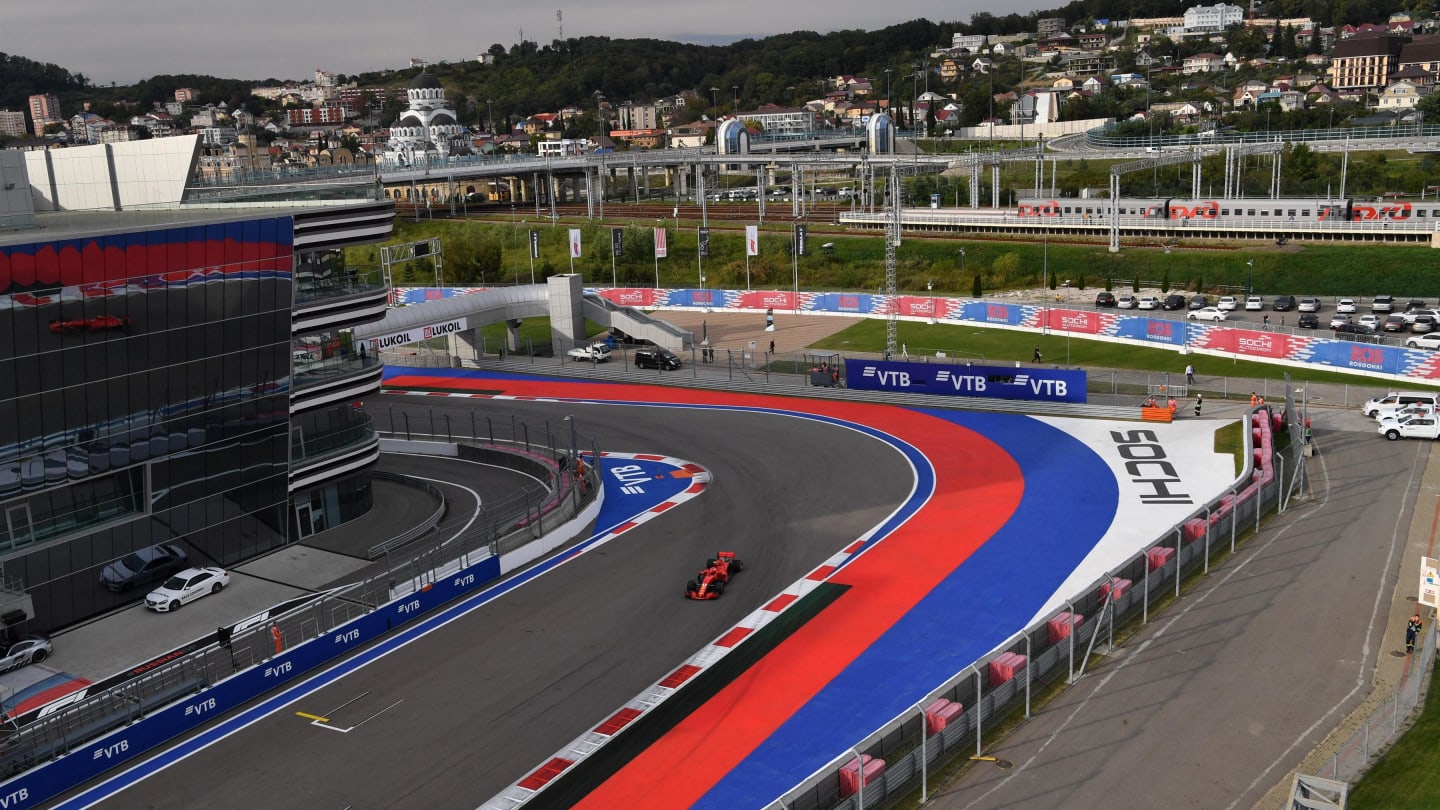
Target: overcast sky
<point>122,42</point>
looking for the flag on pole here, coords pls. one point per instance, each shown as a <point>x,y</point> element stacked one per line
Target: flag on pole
<point>574,243</point>
<point>659,243</point>
<point>617,242</point>
<point>704,242</point>
<point>752,240</point>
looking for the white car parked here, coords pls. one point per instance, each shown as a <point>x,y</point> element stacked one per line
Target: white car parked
<point>1345,305</point>
<point>1125,302</point>
<point>1208,314</point>
<point>186,586</point>
<point>1338,320</point>
<point>1254,303</point>
<point>1227,303</point>
<point>1372,321</point>
<point>1148,302</point>
<point>27,650</point>
<point>1416,427</point>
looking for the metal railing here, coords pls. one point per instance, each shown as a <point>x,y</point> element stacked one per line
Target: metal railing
<point>1055,647</point>
<point>1385,721</point>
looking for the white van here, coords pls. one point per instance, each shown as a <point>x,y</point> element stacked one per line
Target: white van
<point>1395,400</point>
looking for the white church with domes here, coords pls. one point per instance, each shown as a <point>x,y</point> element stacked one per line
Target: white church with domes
<point>428,130</point>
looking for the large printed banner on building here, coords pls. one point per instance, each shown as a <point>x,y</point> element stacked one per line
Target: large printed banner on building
<point>418,334</point>
<point>995,382</point>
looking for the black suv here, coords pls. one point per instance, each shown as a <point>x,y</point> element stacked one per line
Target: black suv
<point>1105,299</point>
<point>1283,303</point>
<point>656,357</point>
<point>1173,301</point>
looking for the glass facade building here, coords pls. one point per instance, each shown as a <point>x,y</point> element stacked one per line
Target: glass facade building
<point>153,391</point>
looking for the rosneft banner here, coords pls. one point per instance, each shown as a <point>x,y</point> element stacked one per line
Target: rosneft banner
<point>955,380</point>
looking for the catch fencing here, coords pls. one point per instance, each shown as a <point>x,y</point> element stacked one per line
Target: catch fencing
<point>1384,722</point>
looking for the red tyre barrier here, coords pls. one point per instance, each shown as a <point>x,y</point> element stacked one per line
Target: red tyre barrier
<point>1159,556</point>
<point>1114,589</point>
<point>940,714</point>
<point>850,774</point>
<point>1004,668</point>
<point>1059,627</point>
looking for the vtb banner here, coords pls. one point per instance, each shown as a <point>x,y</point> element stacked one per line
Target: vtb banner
<point>752,240</point>
<point>659,243</point>
<point>995,382</point>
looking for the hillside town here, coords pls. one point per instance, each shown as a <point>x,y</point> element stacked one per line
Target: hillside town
<point>1190,73</point>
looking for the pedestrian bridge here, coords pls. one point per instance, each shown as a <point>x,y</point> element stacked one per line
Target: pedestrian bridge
<point>562,299</point>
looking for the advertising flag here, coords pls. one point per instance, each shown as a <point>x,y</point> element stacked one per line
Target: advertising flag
<point>574,243</point>
<point>659,243</point>
<point>617,242</point>
<point>752,240</point>
<point>802,233</point>
<point>705,242</point>
<point>534,244</point>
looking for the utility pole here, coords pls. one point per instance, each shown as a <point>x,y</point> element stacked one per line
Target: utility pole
<point>892,245</point>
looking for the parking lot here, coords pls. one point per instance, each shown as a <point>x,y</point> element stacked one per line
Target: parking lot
<point>1381,319</point>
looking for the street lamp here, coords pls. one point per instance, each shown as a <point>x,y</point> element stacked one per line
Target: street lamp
<point>714,102</point>
<point>735,94</point>
<point>1250,287</point>
<point>490,119</point>
<point>962,260</point>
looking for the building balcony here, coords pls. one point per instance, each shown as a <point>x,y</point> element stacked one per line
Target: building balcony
<point>316,459</point>
<point>335,301</point>
<point>333,380</point>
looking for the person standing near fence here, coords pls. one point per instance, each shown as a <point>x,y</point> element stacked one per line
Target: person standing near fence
<point>1412,631</point>
<point>1189,374</point>
<point>1036,358</point>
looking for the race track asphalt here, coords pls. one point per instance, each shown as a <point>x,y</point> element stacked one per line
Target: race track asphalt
<point>452,719</point>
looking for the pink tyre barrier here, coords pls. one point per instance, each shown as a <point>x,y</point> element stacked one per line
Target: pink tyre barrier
<point>940,714</point>
<point>851,774</point>
<point>1159,556</point>
<point>1059,628</point>
<point>1004,667</point>
<point>1114,589</point>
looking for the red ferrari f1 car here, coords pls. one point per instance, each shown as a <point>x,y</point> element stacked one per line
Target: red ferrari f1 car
<point>95,324</point>
<point>711,581</point>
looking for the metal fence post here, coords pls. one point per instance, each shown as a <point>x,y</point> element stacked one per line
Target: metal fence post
<point>979,711</point>
<point>1070,606</point>
<point>1145,601</point>
<point>1234,515</point>
<point>1029,666</point>
<point>924,758</point>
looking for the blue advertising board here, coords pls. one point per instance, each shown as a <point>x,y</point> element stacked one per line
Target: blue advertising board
<point>857,303</point>
<point>1154,330</point>
<point>995,382</point>
<point>1359,356</point>
<point>988,312</point>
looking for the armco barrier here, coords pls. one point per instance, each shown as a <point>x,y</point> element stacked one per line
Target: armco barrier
<point>987,695</point>
<point>61,749</point>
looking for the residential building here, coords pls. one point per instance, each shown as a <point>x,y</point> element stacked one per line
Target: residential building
<point>1365,63</point>
<point>311,116</point>
<point>183,415</point>
<point>1212,18</point>
<point>690,136</point>
<point>185,95</point>
<point>1089,64</point>
<point>12,124</point>
<point>1403,95</point>
<point>1093,41</point>
<point>1423,54</point>
<point>1202,63</point>
<point>1049,26</point>
<point>640,138</point>
<point>950,70</point>
<point>632,115</point>
<point>972,43</point>
<point>44,110</point>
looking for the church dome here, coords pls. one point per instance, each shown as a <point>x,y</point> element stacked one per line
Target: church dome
<point>424,80</point>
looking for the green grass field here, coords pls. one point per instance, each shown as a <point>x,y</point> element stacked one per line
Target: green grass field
<point>1408,776</point>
